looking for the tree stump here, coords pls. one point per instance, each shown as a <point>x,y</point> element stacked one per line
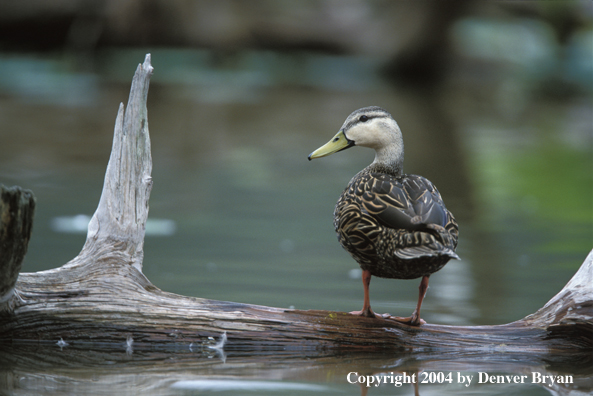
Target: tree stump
<point>17,207</point>
<point>101,297</point>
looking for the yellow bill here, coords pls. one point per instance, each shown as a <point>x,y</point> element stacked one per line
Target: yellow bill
<point>338,143</point>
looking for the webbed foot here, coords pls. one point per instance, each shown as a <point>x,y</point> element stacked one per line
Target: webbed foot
<point>368,313</point>
<point>413,320</point>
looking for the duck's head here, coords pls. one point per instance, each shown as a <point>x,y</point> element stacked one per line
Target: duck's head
<point>370,127</point>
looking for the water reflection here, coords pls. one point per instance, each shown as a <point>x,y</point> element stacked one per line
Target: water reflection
<point>78,224</point>
<point>181,370</point>
<point>247,386</point>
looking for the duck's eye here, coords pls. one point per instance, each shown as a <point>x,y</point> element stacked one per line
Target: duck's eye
<point>363,118</point>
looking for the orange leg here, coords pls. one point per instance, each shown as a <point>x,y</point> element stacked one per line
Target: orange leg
<point>415,320</point>
<point>366,305</point>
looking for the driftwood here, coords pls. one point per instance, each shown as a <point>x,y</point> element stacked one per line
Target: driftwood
<point>101,299</point>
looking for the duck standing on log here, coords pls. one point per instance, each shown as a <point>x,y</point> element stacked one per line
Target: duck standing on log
<point>394,225</point>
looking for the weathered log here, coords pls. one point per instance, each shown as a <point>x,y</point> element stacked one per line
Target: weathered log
<point>101,299</point>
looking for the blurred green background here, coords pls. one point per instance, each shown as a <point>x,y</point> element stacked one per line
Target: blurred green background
<point>493,98</point>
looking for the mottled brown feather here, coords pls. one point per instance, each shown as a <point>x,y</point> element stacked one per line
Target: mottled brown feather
<point>395,226</point>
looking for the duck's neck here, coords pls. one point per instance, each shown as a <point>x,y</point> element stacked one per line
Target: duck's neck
<point>390,159</point>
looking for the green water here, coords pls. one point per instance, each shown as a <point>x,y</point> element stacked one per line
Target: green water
<point>253,217</point>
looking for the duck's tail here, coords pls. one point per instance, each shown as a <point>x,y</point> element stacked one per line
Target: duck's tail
<point>446,239</point>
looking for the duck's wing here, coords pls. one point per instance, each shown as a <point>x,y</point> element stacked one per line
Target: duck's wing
<point>410,202</point>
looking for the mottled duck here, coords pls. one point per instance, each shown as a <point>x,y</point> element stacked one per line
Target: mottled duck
<point>394,225</point>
